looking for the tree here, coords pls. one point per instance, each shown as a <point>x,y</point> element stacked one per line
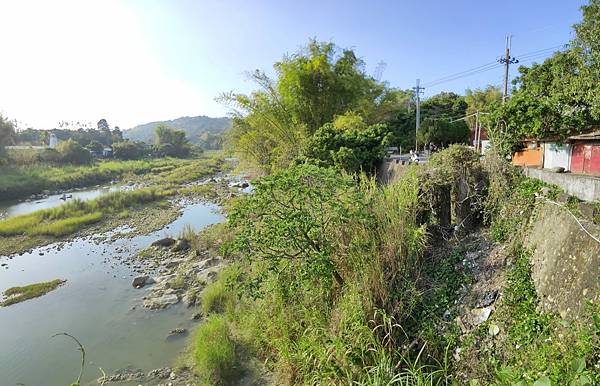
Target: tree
<point>116,135</point>
<point>557,98</point>
<point>311,88</point>
<point>72,152</point>
<point>171,141</point>
<point>95,146</point>
<point>443,131</point>
<point>7,133</point>
<point>481,100</point>
<point>347,143</point>
<point>103,125</point>
<point>128,150</point>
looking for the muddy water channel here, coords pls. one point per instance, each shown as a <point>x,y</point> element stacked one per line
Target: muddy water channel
<point>97,304</point>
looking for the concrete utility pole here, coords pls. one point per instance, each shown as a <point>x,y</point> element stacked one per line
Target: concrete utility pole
<point>507,61</point>
<point>418,101</point>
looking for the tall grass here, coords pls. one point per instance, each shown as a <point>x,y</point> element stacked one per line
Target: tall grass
<point>318,331</point>
<point>21,181</point>
<point>214,352</point>
<point>72,216</point>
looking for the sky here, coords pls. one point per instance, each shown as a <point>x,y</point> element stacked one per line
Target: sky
<point>137,61</point>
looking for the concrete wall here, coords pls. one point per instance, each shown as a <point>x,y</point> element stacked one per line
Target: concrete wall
<point>585,188</point>
<point>565,261</point>
<point>391,169</point>
<point>556,155</point>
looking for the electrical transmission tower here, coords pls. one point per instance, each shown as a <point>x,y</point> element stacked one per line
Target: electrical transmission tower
<point>418,90</point>
<point>507,60</point>
<point>381,66</point>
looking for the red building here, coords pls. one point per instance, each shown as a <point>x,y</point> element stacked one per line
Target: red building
<point>585,156</point>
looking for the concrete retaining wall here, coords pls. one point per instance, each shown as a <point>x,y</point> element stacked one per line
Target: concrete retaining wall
<point>585,188</point>
<point>565,261</point>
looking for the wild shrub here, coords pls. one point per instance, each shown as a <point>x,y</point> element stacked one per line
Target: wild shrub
<point>320,257</point>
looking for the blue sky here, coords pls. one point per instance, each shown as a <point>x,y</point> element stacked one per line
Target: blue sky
<point>149,59</point>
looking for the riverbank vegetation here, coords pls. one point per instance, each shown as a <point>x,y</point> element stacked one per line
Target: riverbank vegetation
<point>334,279</point>
<point>15,295</point>
<point>163,180</point>
<point>20,182</point>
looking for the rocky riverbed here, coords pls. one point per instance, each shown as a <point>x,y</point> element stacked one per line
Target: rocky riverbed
<point>131,332</point>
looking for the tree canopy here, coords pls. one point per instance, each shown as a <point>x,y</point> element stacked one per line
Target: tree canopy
<point>311,88</point>
<point>559,97</point>
<point>7,132</point>
<point>171,142</point>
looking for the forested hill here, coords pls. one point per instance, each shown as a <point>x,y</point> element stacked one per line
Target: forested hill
<point>197,129</point>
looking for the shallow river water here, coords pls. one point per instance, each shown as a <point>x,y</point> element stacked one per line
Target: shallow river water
<point>97,304</point>
<point>15,208</point>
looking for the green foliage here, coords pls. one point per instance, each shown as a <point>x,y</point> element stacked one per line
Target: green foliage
<point>312,87</point>
<point>95,146</point>
<point>17,182</point>
<point>171,142</point>
<point>318,260</point>
<point>443,132</point>
<point>348,144</point>
<point>510,199</point>
<point>86,137</point>
<point>557,98</point>
<point>15,295</point>
<point>480,99</point>
<point>72,152</point>
<point>214,351</point>
<point>129,150</point>
<point>7,132</point>
<point>70,217</point>
<point>217,297</point>
<point>293,219</point>
<point>66,226</point>
<point>436,114</point>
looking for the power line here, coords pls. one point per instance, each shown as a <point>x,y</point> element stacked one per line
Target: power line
<point>460,73</point>
<point>489,66</point>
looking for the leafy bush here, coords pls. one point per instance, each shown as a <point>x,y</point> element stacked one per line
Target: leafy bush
<point>72,152</point>
<point>351,146</point>
<point>320,259</point>
<point>129,150</point>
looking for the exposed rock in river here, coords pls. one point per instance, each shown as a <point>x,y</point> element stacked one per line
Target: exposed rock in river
<point>165,242</point>
<point>161,301</point>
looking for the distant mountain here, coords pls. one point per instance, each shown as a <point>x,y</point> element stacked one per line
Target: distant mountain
<point>197,129</point>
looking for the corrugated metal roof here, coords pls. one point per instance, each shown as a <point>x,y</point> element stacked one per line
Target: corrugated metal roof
<point>594,135</point>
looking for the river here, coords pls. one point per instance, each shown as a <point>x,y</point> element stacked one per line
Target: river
<point>97,304</point>
<point>16,208</point>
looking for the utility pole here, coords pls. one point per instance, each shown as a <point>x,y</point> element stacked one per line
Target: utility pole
<point>418,91</point>
<point>507,61</point>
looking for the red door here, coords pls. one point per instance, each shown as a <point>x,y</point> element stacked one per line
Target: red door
<point>585,159</point>
<point>577,158</point>
<point>594,163</point>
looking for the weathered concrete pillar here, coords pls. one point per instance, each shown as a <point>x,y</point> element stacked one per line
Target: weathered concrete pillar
<point>442,205</point>
<point>462,206</point>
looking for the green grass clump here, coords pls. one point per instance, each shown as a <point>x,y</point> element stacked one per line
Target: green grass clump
<point>15,295</point>
<point>214,350</point>
<point>74,215</point>
<point>18,225</point>
<point>20,181</point>
<point>216,298</point>
<point>66,226</point>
